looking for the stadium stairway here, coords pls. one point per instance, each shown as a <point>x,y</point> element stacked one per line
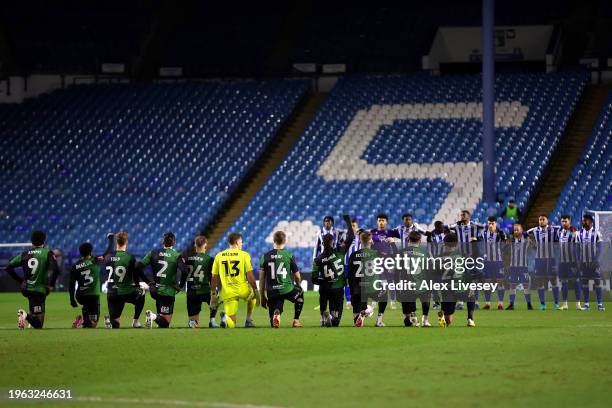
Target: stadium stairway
<point>568,152</point>
<point>271,159</point>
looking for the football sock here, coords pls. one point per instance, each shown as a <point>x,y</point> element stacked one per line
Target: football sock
<point>487,296</point>
<point>599,294</point>
<point>115,324</point>
<point>382,306</point>
<point>470,309</point>
<point>585,294</point>
<point>512,296</point>
<point>425,308</point>
<point>527,297</point>
<point>476,295</point>
<point>500,294</point>
<point>212,314</point>
<point>34,322</point>
<point>542,295</point>
<point>297,310</point>
<point>138,306</point>
<point>577,291</point>
<point>564,291</point>
<point>555,292</point>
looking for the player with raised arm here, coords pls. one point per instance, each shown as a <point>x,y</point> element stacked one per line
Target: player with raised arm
<point>279,280</point>
<point>165,264</point>
<point>232,270</point>
<point>197,275</point>
<point>492,239</point>
<point>36,263</point>
<point>328,273</point>
<point>384,241</point>
<point>517,251</point>
<point>589,249</point>
<point>122,284</point>
<point>545,236</point>
<point>358,274</point>
<point>568,263</point>
<point>86,273</point>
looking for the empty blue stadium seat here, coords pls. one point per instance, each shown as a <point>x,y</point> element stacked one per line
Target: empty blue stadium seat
<point>143,158</point>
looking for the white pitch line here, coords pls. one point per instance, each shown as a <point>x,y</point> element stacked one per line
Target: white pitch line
<point>180,403</point>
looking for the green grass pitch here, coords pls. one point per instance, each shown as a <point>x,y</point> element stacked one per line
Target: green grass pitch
<point>512,358</point>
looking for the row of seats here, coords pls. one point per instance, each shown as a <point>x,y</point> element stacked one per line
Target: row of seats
<point>146,158</point>
<point>590,185</point>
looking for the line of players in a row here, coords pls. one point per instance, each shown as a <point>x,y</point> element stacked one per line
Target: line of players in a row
<point>280,279</point>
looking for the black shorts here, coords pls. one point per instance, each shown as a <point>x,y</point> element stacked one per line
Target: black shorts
<point>116,303</point>
<point>448,308</point>
<point>165,304</point>
<point>408,307</point>
<point>332,296</point>
<point>277,302</point>
<point>90,305</point>
<point>36,301</point>
<point>194,302</point>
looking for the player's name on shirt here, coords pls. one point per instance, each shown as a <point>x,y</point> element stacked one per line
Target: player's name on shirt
<point>83,264</point>
<point>329,258</point>
<point>229,253</point>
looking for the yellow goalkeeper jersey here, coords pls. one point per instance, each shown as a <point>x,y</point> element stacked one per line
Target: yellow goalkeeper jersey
<point>232,265</point>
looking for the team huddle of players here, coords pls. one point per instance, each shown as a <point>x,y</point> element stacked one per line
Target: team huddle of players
<point>339,261</point>
<point>505,262</point>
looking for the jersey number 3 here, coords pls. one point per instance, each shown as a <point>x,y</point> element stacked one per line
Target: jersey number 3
<point>234,268</point>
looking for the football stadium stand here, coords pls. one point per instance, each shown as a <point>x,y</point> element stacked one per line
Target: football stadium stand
<point>143,158</point>
<point>590,184</point>
<point>398,144</point>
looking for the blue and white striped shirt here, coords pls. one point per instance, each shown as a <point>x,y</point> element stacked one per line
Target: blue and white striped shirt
<point>338,239</point>
<point>544,238</point>
<point>589,244</point>
<point>466,233</point>
<point>404,233</point>
<point>491,241</point>
<point>567,245</point>
<point>436,244</point>
<point>519,251</point>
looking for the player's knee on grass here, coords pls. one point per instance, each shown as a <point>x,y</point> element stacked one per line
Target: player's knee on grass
<point>231,322</point>
<point>36,321</point>
<point>161,321</point>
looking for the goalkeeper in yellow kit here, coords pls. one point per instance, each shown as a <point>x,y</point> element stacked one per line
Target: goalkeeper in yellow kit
<point>233,267</point>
